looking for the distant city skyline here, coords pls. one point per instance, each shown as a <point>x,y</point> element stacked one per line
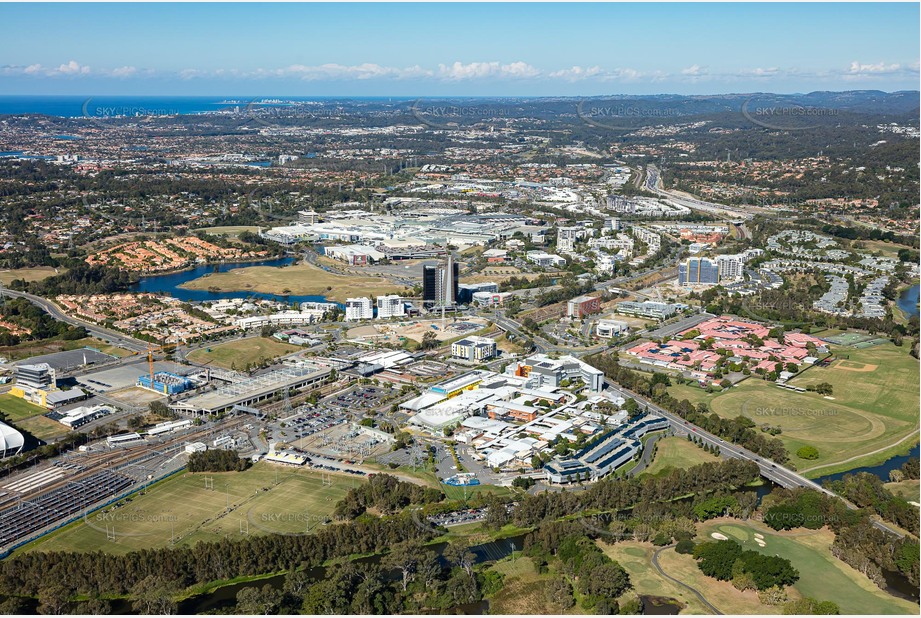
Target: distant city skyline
<point>395,50</point>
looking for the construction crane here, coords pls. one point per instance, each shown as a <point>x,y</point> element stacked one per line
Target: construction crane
<point>151,348</point>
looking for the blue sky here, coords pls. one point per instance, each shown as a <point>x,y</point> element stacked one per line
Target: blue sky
<point>454,49</point>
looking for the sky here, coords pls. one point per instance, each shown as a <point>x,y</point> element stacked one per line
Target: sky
<point>456,49</point>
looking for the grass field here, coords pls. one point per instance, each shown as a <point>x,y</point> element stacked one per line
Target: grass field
<point>694,394</point>
<point>874,404</point>
<point>229,230</point>
<point>182,508</point>
<point>300,279</point>
<point>673,452</point>
<point>102,346</point>
<point>242,352</point>
<point>28,349</point>
<point>910,490</point>
<point>16,409</point>
<point>43,428</point>
<point>29,274</point>
<point>721,594</point>
<point>822,576</point>
<point>523,589</point>
<point>636,558</point>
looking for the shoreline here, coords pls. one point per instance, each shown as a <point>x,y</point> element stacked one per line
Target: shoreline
<point>176,271</point>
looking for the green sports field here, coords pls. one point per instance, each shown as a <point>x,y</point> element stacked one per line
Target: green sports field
<point>822,576</point>
<point>873,406</point>
<point>265,499</point>
<point>16,409</point>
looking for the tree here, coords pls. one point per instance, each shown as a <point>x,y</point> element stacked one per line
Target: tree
<point>54,599</point>
<point>775,595</point>
<point>808,452</point>
<point>460,556</point>
<point>154,595</point>
<point>715,559</point>
<point>258,601</point>
<point>496,514</point>
<point>429,341</point>
<point>606,581</point>
<point>558,592</point>
<point>404,557</point>
<point>809,606</point>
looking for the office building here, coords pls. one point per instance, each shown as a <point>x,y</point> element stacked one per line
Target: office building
<point>308,217</point>
<point>39,375</point>
<point>465,291</point>
<point>582,306</point>
<point>440,283</point>
<point>611,328</point>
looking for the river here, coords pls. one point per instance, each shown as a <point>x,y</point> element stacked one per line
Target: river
<point>168,285</point>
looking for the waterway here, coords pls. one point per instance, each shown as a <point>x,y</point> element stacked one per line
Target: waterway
<point>908,300</point>
<point>169,285</point>
<point>225,597</point>
<point>881,470</point>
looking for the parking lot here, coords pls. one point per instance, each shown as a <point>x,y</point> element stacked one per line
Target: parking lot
<point>306,424</point>
<point>359,398</point>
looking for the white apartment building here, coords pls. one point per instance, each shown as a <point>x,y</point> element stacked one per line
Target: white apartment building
<point>542,258</point>
<point>358,309</point>
<point>474,348</point>
<point>731,267</point>
<point>566,237</point>
<point>390,307</point>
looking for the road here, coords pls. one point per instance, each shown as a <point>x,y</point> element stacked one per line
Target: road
<point>653,184</point>
<point>106,334</point>
<point>768,469</point>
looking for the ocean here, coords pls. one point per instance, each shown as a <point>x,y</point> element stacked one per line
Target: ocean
<point>107,106</point>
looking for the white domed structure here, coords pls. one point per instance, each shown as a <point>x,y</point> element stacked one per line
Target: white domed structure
<point>11,441</point>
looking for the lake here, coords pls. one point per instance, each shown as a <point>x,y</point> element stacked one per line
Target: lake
<point>168,285</point>
<point>908,300</point>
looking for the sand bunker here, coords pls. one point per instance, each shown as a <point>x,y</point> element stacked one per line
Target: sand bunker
<point>758,535</point>
<point>719,536</point>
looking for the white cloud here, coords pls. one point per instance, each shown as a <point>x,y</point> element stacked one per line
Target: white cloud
<point>73,68</point>
<point>577,73</point>
<point>125,71</point>
<point>695,70</point>
<point>484,70</point>
<point>878,68</point>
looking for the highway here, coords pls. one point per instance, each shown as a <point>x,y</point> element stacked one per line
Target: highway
<point>101,332</point>
<point>769,470</point>
<point>652,184</point>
